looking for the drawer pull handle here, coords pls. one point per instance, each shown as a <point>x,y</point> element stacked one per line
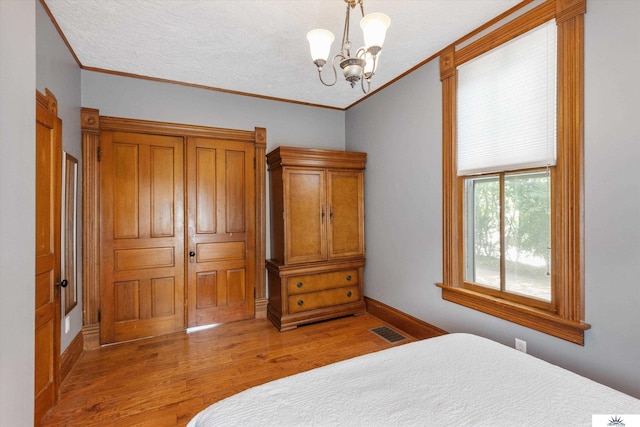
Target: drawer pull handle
<point>300,302</point>
<point>349,294</point>
<point>299,284</point>
<point>349,278</point>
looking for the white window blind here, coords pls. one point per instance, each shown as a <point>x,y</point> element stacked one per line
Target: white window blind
<point>506,105</point>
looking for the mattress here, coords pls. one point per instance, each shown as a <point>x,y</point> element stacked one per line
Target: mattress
<point>452,380</point>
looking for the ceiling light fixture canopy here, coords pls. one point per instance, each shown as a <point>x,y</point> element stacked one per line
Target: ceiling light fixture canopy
<point>363,64</point>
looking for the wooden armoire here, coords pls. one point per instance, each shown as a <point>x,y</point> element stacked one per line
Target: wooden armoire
<point>317,235</point>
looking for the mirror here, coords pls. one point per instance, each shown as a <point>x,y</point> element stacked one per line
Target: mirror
<point>69,230</point>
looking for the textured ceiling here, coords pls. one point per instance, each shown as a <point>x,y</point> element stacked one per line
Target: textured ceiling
<point>257,46</point>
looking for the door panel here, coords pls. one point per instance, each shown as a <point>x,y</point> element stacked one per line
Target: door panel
<point>235,197</point>
<point>162,198</point>
<point>47,263</point>
<point>205,189</point>
<point>346,212</point>
<point>221,215</point>
<point>208,252</point>
<point>305,215</point>
<point>142,241</point>
<point>125,191</point>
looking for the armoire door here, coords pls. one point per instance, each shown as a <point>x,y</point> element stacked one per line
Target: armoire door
<point>306,215</point>
<point>345,192</point>
<point>142,235</point>
<point>221,239</point>
<point>48,153</point>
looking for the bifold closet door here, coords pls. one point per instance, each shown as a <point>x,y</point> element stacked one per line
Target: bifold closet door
<point>221,218</point>
<point>142,235</point>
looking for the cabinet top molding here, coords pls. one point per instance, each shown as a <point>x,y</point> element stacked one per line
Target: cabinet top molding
<point>312,157</point>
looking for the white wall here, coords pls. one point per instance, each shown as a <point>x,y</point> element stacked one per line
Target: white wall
<point>57,70</point>
<point>401,129</point>
<point>17,210</point>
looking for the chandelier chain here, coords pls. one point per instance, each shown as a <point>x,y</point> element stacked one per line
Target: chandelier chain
<point>346,43</point>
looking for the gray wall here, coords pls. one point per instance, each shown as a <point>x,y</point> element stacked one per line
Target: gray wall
<point>286,123</point>
<point>401,129</point>
<point>17,210</point>
<point>57,70</point>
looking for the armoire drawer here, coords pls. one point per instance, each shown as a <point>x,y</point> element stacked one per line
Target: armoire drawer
<point>321,281</point>
<point>314,300</point>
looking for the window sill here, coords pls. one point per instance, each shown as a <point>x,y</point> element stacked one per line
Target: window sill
<point>533,318</point>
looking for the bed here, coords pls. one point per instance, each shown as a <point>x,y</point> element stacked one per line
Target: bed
<point>455,379</point>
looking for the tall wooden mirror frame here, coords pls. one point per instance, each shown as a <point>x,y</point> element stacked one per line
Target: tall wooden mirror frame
<point>69,231</point>
<point>92,123</point>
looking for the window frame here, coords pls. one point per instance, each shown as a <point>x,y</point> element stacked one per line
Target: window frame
<point>487,289</point>
<point>565,317</point>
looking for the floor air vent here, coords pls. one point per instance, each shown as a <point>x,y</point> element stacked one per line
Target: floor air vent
<point>388,334</point>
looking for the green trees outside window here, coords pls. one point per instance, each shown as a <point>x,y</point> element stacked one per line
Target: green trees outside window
<point>508,237</point>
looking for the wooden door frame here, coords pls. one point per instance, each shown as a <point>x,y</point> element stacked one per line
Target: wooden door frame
<point>92,124</point>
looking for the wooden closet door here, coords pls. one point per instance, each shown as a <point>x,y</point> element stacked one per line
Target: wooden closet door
<point>142,241</point>
<point>221,218</point>
<point>306,215</point>
<point>346,213</point>
<point>48,153</point>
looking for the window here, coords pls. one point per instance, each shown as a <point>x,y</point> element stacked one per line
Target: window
<point>508,235</point>
<point>506,121</point>
<point>512,169</point>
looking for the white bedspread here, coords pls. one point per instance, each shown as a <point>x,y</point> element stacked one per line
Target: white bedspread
<point>452,380</point>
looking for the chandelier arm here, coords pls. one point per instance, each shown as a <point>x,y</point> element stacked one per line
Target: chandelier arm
<point>373,68</point>
<point>335,73</point>
<point>366,91</point>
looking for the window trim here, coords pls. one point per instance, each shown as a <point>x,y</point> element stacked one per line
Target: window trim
<point>566,321</point>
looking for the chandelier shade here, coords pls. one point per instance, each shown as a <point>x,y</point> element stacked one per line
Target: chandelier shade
<point>374,27</point>
<point>359,66</point>
<point>320,44</point>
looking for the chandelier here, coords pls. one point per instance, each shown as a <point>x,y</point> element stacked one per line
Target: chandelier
<point>362,65</point>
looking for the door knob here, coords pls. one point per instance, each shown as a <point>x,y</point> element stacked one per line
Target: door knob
<point>192,253</point>
<point>63,283</point>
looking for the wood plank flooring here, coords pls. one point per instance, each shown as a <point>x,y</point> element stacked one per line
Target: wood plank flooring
<point>165,381</point>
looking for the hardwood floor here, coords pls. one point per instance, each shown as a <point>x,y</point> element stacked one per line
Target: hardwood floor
<point>165,381</point>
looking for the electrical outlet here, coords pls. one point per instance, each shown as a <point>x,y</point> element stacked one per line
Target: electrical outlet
<point>67,324</point>
<point>521,345</point>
